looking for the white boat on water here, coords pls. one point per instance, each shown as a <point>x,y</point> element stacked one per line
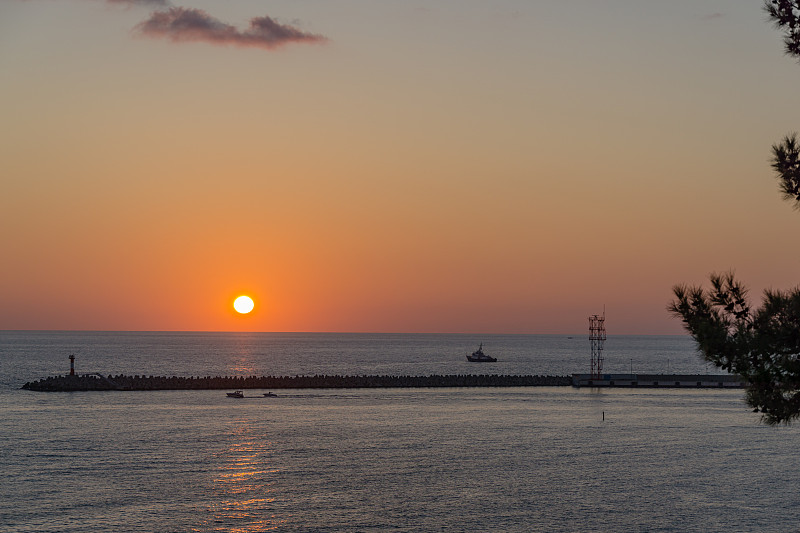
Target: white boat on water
<point>235,394</point>
<point>479,357</point>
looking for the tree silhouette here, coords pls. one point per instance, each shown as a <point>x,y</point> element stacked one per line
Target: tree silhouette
<point>786,162</point>
<point>785,14</point>
<point>762,345</point>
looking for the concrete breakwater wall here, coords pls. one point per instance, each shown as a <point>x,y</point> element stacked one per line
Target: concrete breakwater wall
<point>97,382</point>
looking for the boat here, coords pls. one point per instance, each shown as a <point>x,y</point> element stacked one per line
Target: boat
<point>479,357</point>
<point>270,395</point>
<point>235,394</point>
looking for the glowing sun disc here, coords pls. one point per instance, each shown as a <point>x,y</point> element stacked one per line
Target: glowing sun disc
<point>243,304</point>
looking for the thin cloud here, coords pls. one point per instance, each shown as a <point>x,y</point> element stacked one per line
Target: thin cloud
<point>714,16</point>
<point>158,3</point>
<point>189,24</point>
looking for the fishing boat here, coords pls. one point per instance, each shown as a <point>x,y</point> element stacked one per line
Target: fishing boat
<point>235,394</point>
<point>479,357</point>
<point>270,395</point>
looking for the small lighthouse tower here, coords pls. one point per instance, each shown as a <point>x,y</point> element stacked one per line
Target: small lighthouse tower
<point>597,335</point>
<point>71,365</point>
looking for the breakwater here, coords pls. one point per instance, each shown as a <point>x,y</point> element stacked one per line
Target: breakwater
<point>98,382</point>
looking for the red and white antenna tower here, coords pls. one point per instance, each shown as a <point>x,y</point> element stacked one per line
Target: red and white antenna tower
<point>597,335</point>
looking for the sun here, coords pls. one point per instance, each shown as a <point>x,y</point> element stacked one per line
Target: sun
<point>243,304</point>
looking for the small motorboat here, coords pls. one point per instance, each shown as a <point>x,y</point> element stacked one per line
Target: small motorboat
<point>479,357</point>
<point>270,395</point>
<point>235,394</point>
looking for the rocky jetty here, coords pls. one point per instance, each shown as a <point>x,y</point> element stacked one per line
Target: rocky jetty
<point>97,382</point>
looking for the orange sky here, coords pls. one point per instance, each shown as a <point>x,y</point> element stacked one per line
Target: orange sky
<point>409,167</point>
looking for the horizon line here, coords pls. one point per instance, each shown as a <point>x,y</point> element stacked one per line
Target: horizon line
<point>330,332</point>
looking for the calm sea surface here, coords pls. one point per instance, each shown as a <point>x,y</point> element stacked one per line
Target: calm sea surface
<point>517,459</point>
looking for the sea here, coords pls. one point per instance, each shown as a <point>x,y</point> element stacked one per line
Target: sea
<point>550,459</point>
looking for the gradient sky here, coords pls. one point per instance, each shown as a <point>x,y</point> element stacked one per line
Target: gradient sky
<point>387,166</point>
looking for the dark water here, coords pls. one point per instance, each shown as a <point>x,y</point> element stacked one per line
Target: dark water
<point>529,459</point>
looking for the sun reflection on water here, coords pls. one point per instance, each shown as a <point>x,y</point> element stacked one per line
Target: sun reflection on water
<point>243,354</point>
<point>242,483</point>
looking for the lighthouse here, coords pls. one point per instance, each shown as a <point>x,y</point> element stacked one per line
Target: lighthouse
<point>71,365</point>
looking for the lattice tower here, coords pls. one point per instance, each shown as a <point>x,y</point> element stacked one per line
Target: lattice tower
<point>597,335</point>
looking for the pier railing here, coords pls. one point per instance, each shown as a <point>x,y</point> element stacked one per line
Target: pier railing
<point>660,380</point>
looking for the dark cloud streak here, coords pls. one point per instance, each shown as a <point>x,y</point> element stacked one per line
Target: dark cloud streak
<point>188,24</point>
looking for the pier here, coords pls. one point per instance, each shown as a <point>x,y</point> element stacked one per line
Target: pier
<point>682,381</point>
